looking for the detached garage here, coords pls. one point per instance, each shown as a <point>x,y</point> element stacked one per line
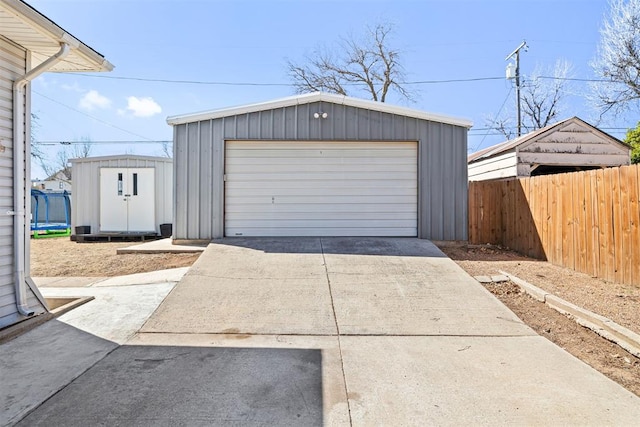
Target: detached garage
<point>319,165</point>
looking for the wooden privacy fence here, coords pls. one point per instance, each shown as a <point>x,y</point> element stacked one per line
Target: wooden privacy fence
<point>588,221</point>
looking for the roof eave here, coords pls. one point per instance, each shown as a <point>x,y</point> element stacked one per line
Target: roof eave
<point>316,97</point>
<point>48,29</point>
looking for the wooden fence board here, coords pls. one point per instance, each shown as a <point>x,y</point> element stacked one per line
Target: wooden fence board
<point>579,231</point>
<point>590,225</point>
<point>564,219</point>
<point>634,222</point>
<point>623,259</point>
<point>616,225</point>
<point>589,221</point>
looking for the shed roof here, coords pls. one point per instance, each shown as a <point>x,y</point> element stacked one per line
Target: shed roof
<point>27,27</point>
<point>512,144</point>
<point>318,97</point>
<point>120,157</point>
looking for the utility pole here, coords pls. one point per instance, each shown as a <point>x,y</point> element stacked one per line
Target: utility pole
<point>516,54</point>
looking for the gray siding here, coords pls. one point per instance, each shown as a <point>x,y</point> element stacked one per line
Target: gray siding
<point>199,161</point>
<point>13,63</point>
<point>85,205</point>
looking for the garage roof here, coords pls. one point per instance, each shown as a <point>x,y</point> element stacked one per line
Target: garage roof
<point>27,27</point>
<point>317,97</point>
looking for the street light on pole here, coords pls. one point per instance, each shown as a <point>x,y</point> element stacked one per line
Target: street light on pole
<point>513,72</point>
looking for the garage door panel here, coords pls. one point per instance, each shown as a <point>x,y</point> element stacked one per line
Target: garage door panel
<point>321,223</point>
<point>320,200</point>
<point>322,232</point>
<point>320,167</point>
<point>317,176</point>
<point>259,161</point>
<point>321,188</point>
<point>253,209</point>
<point>334,154</point>
<point>322,191</point>
<point>232,185</point>
<point>321,216</point>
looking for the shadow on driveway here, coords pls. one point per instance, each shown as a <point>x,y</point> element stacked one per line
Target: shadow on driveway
<point>379,246</point>
<point>167,385</point>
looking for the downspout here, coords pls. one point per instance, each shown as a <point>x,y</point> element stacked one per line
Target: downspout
<point>19,166</point>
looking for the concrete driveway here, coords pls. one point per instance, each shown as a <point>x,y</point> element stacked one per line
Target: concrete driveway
<point>337,331</point>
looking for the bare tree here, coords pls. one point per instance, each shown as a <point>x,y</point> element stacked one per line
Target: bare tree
<point>542,95</point>
<point>503,124</point>
<point>36,148</point>
<point>617,62</point>
<point>60,168</point>
<point>370,65</point>
<point>167,149</point>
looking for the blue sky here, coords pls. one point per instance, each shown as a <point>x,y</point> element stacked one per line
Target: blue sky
<point>249,42</point>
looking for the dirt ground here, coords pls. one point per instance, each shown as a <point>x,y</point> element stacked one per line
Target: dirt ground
<point>618,302</point>
<point>61,257</point>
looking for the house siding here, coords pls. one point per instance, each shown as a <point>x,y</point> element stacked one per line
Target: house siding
<point>85,209</point>
<point>199,161</point>
<point>496,167</point>
<point>13,63</point>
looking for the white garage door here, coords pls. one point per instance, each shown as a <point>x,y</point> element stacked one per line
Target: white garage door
<point>321,188</point>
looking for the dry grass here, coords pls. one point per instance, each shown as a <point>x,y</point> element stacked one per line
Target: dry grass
<point>61,257</point>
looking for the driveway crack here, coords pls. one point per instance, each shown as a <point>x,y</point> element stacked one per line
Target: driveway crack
<point>335,319</point>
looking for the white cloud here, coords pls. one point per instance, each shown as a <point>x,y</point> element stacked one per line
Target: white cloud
<point>92,100</point>
<point>142,107</point>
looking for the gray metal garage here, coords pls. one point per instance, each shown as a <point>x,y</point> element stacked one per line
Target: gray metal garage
<point>319,165</point>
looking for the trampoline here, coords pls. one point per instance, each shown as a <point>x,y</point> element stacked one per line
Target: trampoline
<point>51,214</point>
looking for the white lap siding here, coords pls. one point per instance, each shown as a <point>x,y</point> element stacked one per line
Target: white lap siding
<point>12,64</point>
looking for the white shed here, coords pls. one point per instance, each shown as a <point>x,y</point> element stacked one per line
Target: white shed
<point>124,194</point>
<point>567,146</point>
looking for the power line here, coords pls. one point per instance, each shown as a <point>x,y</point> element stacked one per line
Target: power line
<point>223,83</point>
<point>92,142</point>
<point>228,83</point>
<point>497,115</point>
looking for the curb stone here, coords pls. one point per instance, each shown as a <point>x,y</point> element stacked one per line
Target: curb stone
<point>603,326</point>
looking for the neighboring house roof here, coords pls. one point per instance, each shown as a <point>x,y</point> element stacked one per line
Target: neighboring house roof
<point>60,175</point>
<point>30,29</point>
<point>532,136</point>
<point>318,97</point>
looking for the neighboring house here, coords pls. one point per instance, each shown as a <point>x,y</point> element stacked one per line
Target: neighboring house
<point>30,44</point>
<point>319,165</point>
<point>122,194</point>
<point>59,181</point>
<point>567,146</point>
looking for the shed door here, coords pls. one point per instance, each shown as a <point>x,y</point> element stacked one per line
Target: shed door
<point>127,200</point>
<point>298,188</point>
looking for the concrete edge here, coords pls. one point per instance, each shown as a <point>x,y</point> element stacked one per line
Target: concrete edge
<point>603,326</point>
<point>14,331</point>
<point>75,302</point>
<point>127,251</point>
<point>192,242</point>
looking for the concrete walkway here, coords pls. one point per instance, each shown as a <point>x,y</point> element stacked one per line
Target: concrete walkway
<point>43,361</point>
<point>303,331</point>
